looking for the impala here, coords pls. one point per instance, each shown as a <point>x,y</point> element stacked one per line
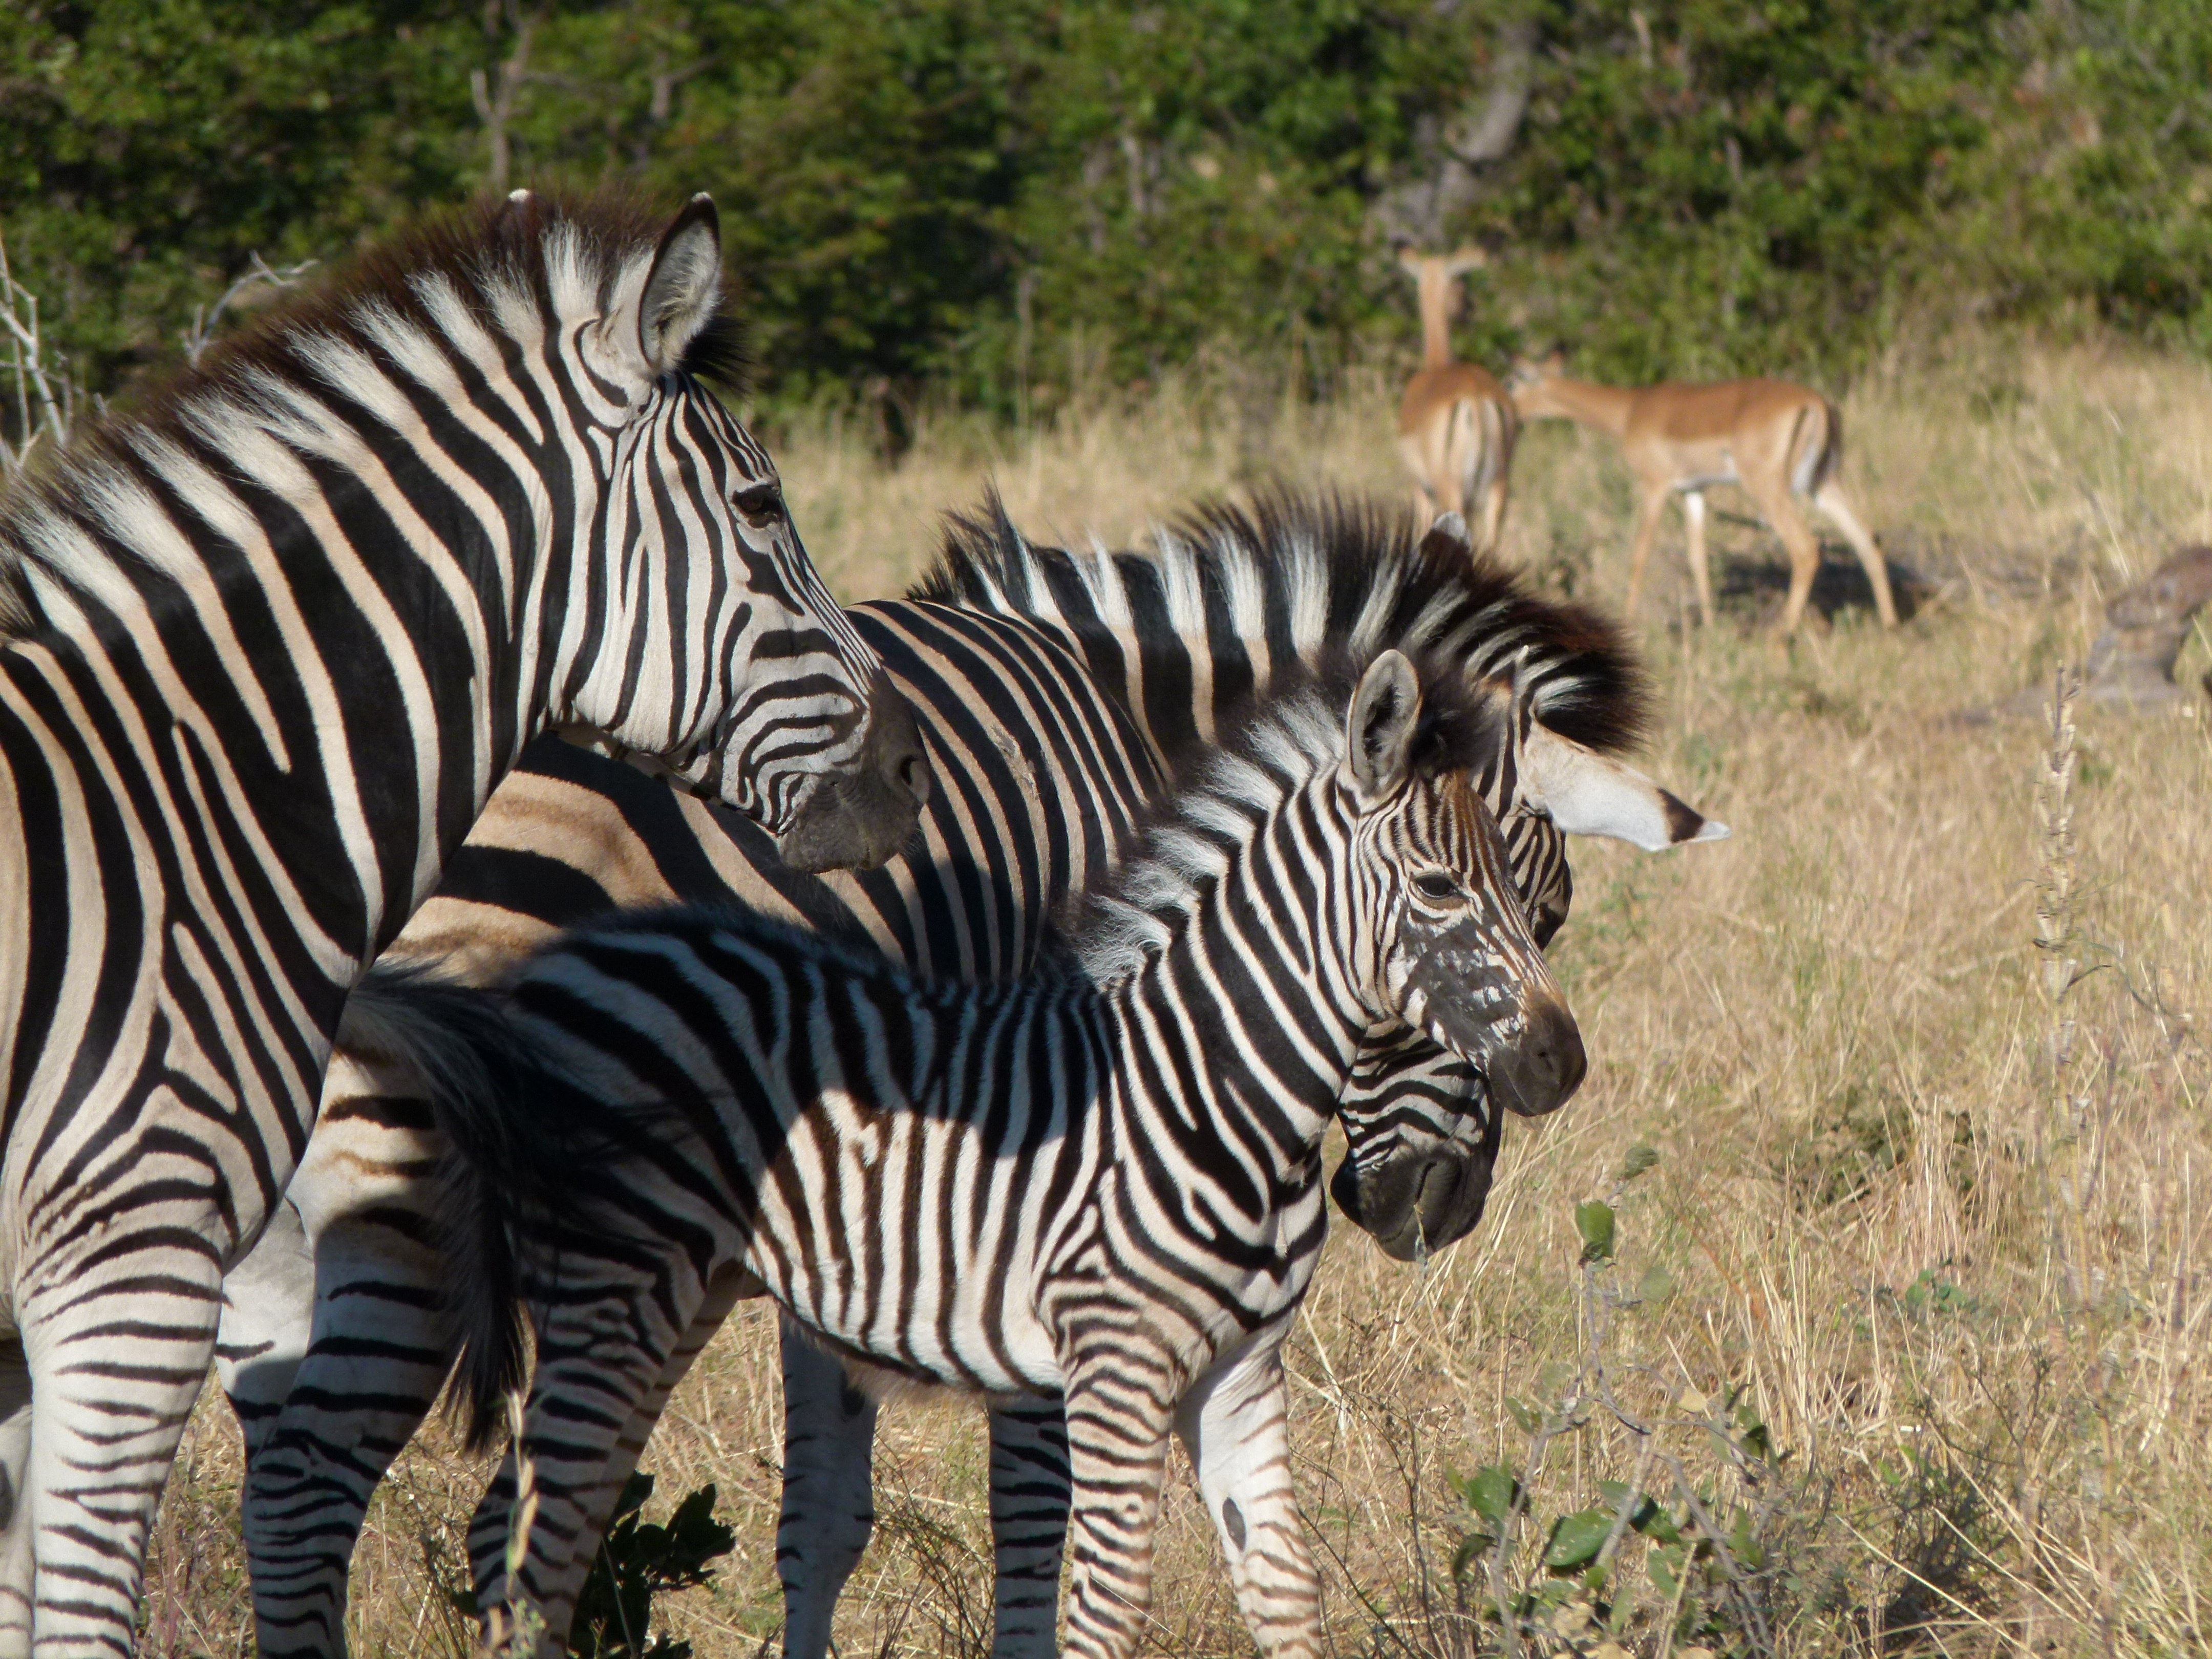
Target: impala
<point>1775,439</point>
<point>1455,424</point>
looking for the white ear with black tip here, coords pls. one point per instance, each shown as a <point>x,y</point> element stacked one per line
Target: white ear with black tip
<point>1378,748</point>
<point>1449,535</point>
<point>1587,793</point>
<point>684,287</point>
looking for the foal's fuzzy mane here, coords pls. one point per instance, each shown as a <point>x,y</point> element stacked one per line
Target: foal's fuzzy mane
<point>1307,573</point>
<point>1281,742</point>
<point>494,247</point>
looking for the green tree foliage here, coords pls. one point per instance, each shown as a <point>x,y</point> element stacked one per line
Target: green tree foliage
<point>971,197</point>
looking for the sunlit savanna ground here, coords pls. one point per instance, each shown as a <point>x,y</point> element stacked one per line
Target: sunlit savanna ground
<point>1969,1318</point>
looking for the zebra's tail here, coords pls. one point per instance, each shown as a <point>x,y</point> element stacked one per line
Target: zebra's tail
<point>455,1047</point>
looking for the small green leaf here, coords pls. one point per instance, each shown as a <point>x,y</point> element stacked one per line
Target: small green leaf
<point>1577,1539</point>
<point>1641,1512</point>
<point>1472,1548</point>
<point>1523,1413</point>
<point>1594,1221</point>
<point>1744,1545</point>
<point>1491,1492</point>
<point>1640,1158</point>
<point>1755,1441</point>
<point>1657,1285</point>
<point>1657,1525</point>
<point>1665,1567</point>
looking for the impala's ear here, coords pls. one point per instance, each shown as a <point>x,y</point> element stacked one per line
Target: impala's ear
<point>1410,263</point>
<point>1466,259</point>
<point>1587,793</point>
<point>684,287</point>
<point>1378,747</point>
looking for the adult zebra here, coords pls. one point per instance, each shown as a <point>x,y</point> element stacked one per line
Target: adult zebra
<point>333,1350</point>
<point>1102,1181</point>
<point>264,652</point>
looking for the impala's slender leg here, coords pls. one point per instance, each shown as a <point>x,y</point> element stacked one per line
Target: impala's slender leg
<point>1499,428</point>
<point>1693,523</point>
<point>1029,1524</point>
<point>1647,531</point>
<point>829,1490</point>
<point>1234,1425</point>
<point>1829,498</point>
<point>1774,502</point>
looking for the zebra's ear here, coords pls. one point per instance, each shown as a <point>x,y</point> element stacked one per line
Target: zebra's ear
<point>1587,793</point>
<point>1378,738</point>
<point>684,287</point>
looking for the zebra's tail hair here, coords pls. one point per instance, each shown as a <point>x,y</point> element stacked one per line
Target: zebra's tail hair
<point>455,1046</point>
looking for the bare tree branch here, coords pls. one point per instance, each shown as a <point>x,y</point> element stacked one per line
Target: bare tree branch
<point>496,110</point>
<point>195,339</point>
<point>1482,134</point>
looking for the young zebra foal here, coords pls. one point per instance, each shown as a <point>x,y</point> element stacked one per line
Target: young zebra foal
<point>1105,1182</point>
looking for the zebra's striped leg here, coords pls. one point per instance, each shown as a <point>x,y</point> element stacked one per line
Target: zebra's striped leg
<point>1029,1524</point>
<point>1120,1412</point>
<point>16,1520</point>
<point>267,1314</point>
<point>555,1578</point>
<point>1234,1424</point>
<point>829,1490</point>
<point>338,1313</point>
<point>116,1366</point>
<point>267,1321</point>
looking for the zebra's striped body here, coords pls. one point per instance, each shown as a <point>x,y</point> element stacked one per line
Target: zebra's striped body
<point>1040,776</point>
<point>334,1346</point>
<point>264,654</point>
<point>1103,1183</point>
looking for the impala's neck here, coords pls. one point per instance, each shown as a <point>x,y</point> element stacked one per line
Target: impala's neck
<point>1555,397</point>
<point>1435,287</point>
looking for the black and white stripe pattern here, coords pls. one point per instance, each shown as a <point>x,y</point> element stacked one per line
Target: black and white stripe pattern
<point>1040,775</point>
<point>265,652</point>
<point>1102,1182</point>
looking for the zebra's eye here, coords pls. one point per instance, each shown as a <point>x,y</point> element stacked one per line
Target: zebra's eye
<point>1435,885</point>
<point>760,501</point>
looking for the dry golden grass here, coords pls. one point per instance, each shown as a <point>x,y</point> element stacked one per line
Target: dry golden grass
<point>1966,1298</point>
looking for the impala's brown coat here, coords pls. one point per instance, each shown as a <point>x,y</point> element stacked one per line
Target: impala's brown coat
<point>1776,439</point>
<point>1456,425</point>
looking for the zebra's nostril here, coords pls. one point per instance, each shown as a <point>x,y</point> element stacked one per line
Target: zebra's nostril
<point>914,774</point>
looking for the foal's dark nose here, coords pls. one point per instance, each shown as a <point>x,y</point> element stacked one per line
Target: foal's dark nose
<point>1541,1073</point>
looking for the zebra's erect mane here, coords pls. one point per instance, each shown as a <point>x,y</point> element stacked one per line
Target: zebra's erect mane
<point>1311,573</point>
<point>1281,745</point>
<point>540,249</point>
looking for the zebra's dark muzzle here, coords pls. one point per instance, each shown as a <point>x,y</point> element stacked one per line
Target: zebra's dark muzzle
<point>1500,1009</point>
<point>1540,1071</point>
<point>1425,1194</point>
<point>857,818</point>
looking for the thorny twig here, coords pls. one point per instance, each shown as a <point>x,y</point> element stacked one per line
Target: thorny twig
<point>258,271</point>
<point>29,366</point>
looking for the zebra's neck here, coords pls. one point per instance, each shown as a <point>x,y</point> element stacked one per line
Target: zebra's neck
<point>1231,985</point>
<point>1253,1073</point>
<point>332,615</point>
